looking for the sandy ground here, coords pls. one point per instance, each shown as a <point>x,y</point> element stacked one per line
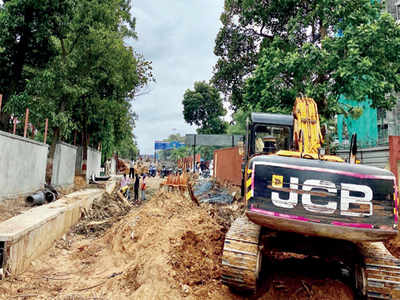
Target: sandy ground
<point>12,207</point>
<point>166,248</point>
<point>15,206</point>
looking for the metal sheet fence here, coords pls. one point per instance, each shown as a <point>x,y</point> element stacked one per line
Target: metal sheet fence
<point>376,156</point>
<point>228,166</point>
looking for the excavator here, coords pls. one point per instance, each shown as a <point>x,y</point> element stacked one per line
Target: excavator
<point>303,201</point>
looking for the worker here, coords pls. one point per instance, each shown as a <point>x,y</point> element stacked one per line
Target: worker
<point>108,167</point>
<point>125,186</point>
<point>143,188</point>
<point>132,168</point>
<point>136,189</point>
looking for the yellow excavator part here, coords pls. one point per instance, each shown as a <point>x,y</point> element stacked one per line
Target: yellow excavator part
<point>306,127</point>
<point>309,155</point>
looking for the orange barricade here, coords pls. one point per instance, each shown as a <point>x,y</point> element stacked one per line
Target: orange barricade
<point>175,181</point>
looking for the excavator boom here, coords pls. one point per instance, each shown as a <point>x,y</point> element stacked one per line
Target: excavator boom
<point>306,127</point>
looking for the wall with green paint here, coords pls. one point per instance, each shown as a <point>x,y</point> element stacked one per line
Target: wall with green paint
<point>366,126</point>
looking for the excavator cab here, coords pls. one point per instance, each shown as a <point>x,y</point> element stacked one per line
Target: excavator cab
<point>290,186</point>
<point>269,133</point>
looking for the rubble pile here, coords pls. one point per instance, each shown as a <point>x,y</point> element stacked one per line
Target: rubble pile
<point>105,212</point>
<point>208,191</point>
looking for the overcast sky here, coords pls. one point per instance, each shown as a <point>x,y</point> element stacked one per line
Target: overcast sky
<point>178,37</point>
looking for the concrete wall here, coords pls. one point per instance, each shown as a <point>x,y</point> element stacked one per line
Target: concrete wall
<point>377,156</point>
<point>228,165</point>
<point>64,165</point>
<point>93,163</point>
<point>22,165</point>
<point>113,166</point>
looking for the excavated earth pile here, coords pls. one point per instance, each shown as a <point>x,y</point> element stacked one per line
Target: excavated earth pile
<point>105,211</point>
<point>167,248</point>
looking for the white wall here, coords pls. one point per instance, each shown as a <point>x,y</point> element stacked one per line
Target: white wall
<point>22,165</point>
<point>64,165</point>
<point>93,163</point>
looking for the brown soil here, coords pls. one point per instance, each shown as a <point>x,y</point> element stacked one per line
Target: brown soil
<point>167,248</point>
<point>394,246</point>
<point>80,182</point>
<point>12,207</point>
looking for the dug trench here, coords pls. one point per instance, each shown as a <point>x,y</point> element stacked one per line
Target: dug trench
<point>166,248</point>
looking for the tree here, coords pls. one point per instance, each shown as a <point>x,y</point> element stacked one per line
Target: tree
<point>238,124</point>
<point>179,153</point>
<point>88,86</point>
<point>307,47</point>
<point>203,107</point>
<point>26,30</point>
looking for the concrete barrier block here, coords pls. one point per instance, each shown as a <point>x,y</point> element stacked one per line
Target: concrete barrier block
<point>28,235</point>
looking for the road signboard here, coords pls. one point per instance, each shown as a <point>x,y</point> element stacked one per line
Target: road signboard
<point>213,140</point>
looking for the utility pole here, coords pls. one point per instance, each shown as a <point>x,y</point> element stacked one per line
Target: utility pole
<point>194,154</point>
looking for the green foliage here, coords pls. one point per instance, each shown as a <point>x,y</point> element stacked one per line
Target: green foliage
<point>26,28</point>
<point>175,137</point>
<point>300,51</point>
<point>238,124</point>
<point>203,107</point>
<point>87,85</point>
<point>178,153</point>
<point>207,152</point>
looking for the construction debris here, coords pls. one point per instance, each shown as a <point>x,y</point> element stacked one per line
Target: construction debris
<point>208,191</point>
<point>105,212</point>
<point>168,248</point>
<point>49,194</point>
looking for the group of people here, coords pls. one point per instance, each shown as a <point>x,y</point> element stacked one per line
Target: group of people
<point>139,182</point>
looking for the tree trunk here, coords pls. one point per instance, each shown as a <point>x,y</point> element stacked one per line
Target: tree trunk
<point>56,137</point>
<point>85,144</point>
<point>4,124</point>
<point>322,30</point>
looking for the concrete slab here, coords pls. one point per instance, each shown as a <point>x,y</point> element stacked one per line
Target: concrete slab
<point>28,235</point>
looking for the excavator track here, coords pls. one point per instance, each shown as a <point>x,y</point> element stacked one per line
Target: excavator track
<point>241,259</point>
<point>382,271</point>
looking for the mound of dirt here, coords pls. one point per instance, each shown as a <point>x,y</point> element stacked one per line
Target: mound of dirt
<point>224,215</point>
<point>167,248</point>
<point>394,246</point>
<point>196,257</point>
